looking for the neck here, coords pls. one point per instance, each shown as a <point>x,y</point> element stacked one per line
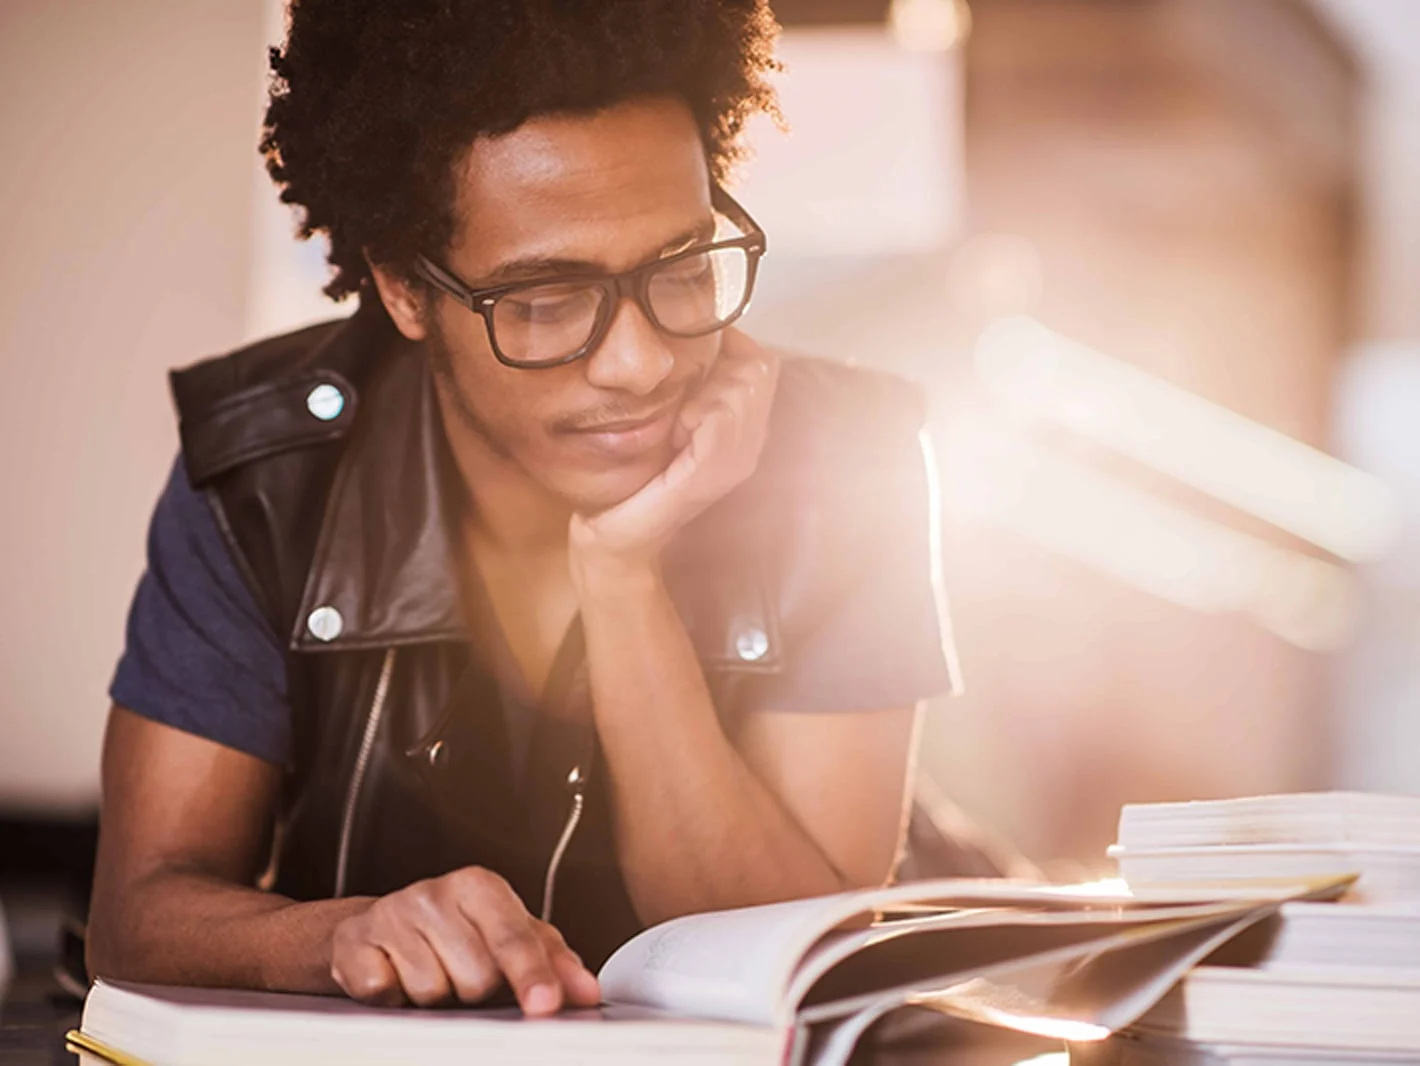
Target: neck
<point>510,512</point>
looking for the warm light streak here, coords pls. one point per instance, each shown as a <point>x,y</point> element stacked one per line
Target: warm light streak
<point>1249,466</point>
<point>1085,515</point>
<point>982,1000</point>
<point>1073,510</point>
<point>938,577</point>
<point>1107,886</point>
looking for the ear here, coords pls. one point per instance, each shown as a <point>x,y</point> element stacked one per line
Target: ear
<point>407,304</point>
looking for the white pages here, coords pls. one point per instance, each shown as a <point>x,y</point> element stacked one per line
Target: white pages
<point>1376,837</point>
<point>747,987</point>
<point>159,1026</point>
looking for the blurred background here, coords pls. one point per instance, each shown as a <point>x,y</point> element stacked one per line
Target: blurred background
<point>1157,263</point>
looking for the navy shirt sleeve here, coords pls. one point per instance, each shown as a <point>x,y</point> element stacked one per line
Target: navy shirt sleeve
<point>199,654</point>
<point>886,640</point>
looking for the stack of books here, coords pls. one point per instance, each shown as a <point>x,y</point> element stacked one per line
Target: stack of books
<point>1314,984</point>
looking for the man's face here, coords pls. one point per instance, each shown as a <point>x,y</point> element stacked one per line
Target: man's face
<point>563,194</point>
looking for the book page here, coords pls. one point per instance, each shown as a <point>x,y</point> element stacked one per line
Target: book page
<point>731,965</point>
<point>739,965</point>
<point>890,953</point>
<point>1076,991</point>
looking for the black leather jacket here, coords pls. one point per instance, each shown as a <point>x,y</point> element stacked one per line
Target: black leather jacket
<point>323,457</point>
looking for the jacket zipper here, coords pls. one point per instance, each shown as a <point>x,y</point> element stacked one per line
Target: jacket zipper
<point>362,764</point>
<point>576,783</point>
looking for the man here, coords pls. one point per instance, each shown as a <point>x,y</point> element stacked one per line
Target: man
<point>534,603</point>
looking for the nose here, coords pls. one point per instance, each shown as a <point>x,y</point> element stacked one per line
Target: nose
<point>633,356</point>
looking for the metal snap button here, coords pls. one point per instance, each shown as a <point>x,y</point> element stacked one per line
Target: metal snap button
<point>325,624</point>
<point>325,402</point>
<point>752,644</point>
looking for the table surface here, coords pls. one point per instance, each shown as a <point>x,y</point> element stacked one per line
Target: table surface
<point>33,1021</point>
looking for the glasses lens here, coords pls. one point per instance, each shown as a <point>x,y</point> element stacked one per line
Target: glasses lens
<point>701,292</point>
<point>546,323</point>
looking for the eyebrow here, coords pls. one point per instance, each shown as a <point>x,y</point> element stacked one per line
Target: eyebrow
<point>534,267</point>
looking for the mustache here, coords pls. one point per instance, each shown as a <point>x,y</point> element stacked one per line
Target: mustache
<point>647,408</point>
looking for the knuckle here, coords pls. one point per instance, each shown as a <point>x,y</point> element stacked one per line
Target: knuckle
<point>368,986</point>
<point>550,933</point>
<point>426,995</point>
<point>424,898</point>
<point>473,879</point>
<point>381,910</point>
<point>479,983</point>
<point>351,934</point>
<point>424,986</point>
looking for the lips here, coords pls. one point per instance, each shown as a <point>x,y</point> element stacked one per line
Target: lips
<point>628,438</point>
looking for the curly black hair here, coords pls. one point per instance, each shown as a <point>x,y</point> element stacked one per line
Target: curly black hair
<point>373,102</point>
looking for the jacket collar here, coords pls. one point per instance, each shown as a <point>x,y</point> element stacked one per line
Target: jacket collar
<point>385,568</point>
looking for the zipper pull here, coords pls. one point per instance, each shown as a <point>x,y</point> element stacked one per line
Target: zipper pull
<point>576,784</point>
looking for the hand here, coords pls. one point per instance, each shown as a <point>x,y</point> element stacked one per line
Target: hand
<point>457,938</point>
<point>718,438</point>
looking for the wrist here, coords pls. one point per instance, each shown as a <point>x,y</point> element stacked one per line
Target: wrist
<point>600,576</point>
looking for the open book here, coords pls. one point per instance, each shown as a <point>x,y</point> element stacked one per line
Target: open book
<point>797,982</point>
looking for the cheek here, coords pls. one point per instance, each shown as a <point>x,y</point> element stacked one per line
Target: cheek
<point>697,356</point>
<point>509,405</point>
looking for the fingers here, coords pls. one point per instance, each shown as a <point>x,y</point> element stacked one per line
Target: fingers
<point>380,957</point>
<point>742,382</point>
<point>718,441</point>
<point>365,973</point>
<point>516,945</point>
<point>420,973</point>
<point>745,369</point>
<point>738,346</point>
<point>753,366</point>
<point>578,982</point>
<point>458,937</point>
<point>457,944</point>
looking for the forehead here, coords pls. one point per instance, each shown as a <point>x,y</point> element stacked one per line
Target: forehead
<point>609,187</point>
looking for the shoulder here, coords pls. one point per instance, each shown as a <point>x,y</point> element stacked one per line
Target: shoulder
<point>838,430</point>
<point>837,529</point>
<point>831,406</point>
<point>209,381</point>
<point>263,430</point>
<point>841,491</point>
<point>285,392</point>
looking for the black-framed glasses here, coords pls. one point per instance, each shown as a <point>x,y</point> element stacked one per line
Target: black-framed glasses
<point>550,321</point>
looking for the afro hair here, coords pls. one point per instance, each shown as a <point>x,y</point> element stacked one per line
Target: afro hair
<point>374,102</point>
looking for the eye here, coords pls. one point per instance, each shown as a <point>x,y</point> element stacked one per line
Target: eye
<point>551,304</point>
<point>692,270</point>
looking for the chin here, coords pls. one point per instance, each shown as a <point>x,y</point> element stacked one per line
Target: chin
<point>592,493</point>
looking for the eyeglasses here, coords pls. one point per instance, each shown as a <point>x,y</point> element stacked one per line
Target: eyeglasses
<point>551,321</point>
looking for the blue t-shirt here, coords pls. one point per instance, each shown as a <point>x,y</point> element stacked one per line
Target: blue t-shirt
<point>200,655</point>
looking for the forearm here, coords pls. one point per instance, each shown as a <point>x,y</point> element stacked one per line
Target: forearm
<point>188,928</point>
<point>696,828</point>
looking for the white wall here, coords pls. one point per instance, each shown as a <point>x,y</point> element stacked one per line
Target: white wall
<point>125,199</point>
<point>1386,36</point>
<point>1377,683</point>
